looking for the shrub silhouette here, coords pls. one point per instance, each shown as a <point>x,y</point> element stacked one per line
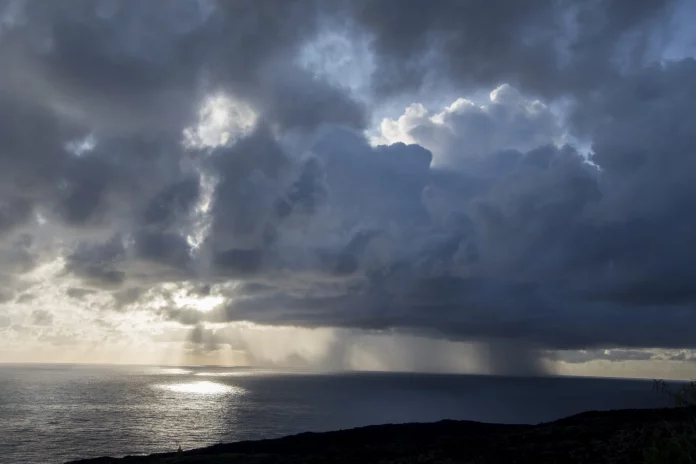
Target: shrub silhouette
<point>679,446</point>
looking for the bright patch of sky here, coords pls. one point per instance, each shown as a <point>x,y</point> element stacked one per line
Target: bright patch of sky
<point>507,120</point>
<point>221,120</point>
<point>342,57</point>
<point>82,146</point>
<point>199,303</point>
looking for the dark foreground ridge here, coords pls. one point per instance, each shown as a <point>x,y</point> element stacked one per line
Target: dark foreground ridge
<point>619,436</point>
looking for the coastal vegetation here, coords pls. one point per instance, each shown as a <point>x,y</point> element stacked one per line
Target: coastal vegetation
<point>671,444</point>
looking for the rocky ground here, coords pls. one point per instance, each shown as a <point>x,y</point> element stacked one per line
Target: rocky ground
<point>620,436</point>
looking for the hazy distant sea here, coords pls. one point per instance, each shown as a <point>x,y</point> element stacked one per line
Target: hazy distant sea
<point>51,414</point>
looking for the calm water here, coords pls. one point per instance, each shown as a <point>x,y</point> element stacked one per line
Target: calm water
<point>51,414</point>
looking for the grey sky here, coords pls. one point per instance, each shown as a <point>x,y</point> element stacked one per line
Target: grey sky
<point>292,163</point>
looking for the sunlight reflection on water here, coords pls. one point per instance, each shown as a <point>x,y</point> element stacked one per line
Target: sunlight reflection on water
<point>245,372</point>
<point>221,374</point>
<point>169,371</point>
<point>202,388</point>
<point>63,413</point>
<point>239,373</point>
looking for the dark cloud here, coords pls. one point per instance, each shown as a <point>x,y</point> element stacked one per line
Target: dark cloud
<point>19,255</point>
<point>31,155</point>
<point>307,192</point>
<point>547,47</point>
<point>167,249</point>
<point>301,101</point>
<point>174,200</point>
<point>6,296</point>
<point>238,262</point>
<point>527,262</point>
<point>83,190</point>
<point>357,175</point>
<point>97,264</point>
<point>13,212</point>
<point>103,67</point>
<point>96,69</point>
<point>642,232</point>
<point>41,317</point>
<point>79,293</point>
<point>126,296</point>
<point>252,173</point>
<point>487,228</point>
<point>23,298</point>
<point>204,339</point>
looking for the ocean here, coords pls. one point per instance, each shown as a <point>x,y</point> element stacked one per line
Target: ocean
<point>56,413</point>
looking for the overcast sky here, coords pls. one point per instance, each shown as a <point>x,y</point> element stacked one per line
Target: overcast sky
<point>449,185</point>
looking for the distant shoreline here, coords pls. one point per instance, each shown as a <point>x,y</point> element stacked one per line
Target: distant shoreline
<point>289,370</point>
<point>617,436</point>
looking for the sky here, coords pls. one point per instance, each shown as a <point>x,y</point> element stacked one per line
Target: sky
<point>495,187</point>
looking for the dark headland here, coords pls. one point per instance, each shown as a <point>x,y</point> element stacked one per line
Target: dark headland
<point>618,436</point>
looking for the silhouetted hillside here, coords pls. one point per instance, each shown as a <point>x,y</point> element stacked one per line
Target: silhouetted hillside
<point>619,436</point>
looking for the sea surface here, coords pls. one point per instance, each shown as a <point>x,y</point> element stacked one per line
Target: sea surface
<point>55,413</point>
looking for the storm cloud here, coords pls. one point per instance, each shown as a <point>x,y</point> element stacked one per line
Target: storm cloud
<point>168,151</point>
